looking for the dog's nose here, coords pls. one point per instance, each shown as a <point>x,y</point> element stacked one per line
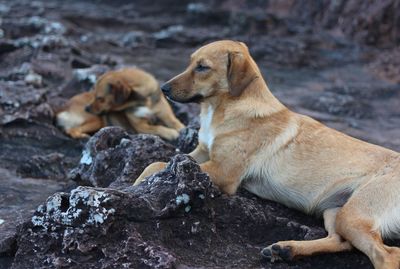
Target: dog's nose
<point>166,88</point>
<point>87,109</point>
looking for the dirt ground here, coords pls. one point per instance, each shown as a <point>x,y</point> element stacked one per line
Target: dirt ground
<point>337,62</point>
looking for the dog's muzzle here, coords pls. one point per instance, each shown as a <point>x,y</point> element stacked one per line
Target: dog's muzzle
<point>166,89</point>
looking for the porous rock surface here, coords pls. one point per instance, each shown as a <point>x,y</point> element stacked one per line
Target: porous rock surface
<point>174,219</point>
<point>114,156</point>
<point>155,225</point>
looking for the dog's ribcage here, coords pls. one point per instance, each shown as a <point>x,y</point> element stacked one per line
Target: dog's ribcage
<point>264,176</point>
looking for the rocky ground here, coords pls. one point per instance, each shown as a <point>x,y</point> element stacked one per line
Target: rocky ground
<point>69,203</point>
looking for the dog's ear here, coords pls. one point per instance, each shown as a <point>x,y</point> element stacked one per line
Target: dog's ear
<point>240,72</point>
<point>123,93</point>
<point>119,91</point>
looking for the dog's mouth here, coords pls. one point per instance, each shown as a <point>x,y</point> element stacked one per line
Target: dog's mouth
<point>194,99</point>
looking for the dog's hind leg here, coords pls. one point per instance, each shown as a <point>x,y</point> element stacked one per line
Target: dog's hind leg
<point>371,212</point>
<point>142,126</point>
<point>166,115</point>
<point>360,229</point>
<point>87,127</point>
<point>288,250</point>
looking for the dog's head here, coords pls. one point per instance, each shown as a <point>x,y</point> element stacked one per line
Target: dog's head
<point>112,93</point>
<point>219,67</point>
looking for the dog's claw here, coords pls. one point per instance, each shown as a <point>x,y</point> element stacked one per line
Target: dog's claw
<point>277,253</point>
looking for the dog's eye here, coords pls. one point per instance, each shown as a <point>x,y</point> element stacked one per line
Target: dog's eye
<point>100,99</point>
<point>201,68</point>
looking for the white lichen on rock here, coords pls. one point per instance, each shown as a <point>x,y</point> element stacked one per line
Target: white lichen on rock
<point>170,31</point>
<point>184,198</point>
<point>53,204</point>
<point>38,220</point>
<point>34,79</point>
<point>85,74</point>
<point>85,207</point>
<point>48,27</point>
<point>195,227</point>
<point>40,209</point>
<point>54,28</point>
<point>125,142</point>
<point>51,34</point>
<point>86,158</point>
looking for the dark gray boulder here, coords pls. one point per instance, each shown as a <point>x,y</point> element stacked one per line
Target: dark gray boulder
<point>112,157</point>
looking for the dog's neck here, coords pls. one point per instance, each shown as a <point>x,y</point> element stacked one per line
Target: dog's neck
<point>256,101</point>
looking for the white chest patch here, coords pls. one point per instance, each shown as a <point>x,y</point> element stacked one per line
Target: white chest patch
<point>143,112</point>
<point>206,134</point>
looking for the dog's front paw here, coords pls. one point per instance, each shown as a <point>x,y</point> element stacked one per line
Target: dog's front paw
<point>170,134</point>
<point>275,252</point>
<point>150,170</point>
<point>77,134</point>
<point>139,180</point>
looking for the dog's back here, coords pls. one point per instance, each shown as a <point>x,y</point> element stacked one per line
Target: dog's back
<point>132,78</point>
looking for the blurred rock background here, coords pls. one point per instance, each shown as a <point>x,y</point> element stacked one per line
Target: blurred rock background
<point>337,61</point>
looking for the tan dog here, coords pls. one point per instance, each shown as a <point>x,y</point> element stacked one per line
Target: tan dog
<point>128,97</point>
<point>248,137</point>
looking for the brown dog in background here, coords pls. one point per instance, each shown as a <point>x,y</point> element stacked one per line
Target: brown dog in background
<point>247,137</point>
<point>128,97</point>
